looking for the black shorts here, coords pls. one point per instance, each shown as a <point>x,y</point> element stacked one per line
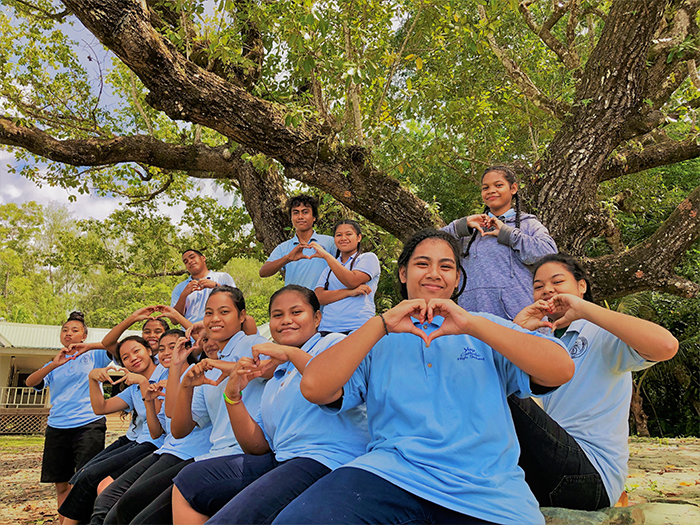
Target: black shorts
<point>68,449</point>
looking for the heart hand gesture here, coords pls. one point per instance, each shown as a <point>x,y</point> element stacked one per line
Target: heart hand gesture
<point>531,317</point>
<point>398,319</point>
<point>456,319</point>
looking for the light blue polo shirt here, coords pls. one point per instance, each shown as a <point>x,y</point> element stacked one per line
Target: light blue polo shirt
<point>352,312</point>
<point>209,408</point>
<point>303,272</point>
<point>594,406</point>
<point>196,302</point>
<point>296,428</point>
<point>70,390</point>
<point>439,423</point>
<point>193,444</point>
<point>133,398</point>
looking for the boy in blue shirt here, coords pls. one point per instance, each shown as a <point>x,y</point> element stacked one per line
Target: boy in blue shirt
<point>190,296</point>
<point>294,257</point>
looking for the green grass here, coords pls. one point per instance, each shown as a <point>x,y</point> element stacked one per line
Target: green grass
<point>21,444</point>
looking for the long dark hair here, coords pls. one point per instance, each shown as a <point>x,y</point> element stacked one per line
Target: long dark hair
<point>410,246</point>
<point>572,265</point>
<point>140,340</point>
<point>511,178</point>
<point>355,226</point>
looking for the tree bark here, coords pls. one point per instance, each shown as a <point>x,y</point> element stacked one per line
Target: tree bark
<point>613,102</point>
<point>640,418</point>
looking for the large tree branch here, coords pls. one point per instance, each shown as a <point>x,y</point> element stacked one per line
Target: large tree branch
<point>141,149</point>
<point>555,108</point>
<point>635,159</point>
<point>185,91</point>
<point>650,264</point>
<point>570,59</point>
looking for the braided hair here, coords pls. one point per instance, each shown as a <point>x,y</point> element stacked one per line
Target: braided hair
<point>511,178</point>
<point>355,226</point>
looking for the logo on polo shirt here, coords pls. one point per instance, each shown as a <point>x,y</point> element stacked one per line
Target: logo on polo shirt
<point>470,353</point>
<point>580,347</point>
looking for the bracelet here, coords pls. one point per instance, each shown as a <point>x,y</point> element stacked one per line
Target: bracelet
<point>228,400</point>
<point>386,330</point>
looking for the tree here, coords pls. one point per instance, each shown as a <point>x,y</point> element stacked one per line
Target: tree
<point>321,93</point>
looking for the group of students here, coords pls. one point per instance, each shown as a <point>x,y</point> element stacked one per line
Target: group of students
<point>421,414</point>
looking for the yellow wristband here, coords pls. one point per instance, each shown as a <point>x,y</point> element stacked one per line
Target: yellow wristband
<point>226,398</point>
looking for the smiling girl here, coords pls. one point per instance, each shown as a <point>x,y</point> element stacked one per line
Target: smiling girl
<point>574,452</point>
<point>348,285</point>
<point>135,355</point>
<point>74,433</point>
<point>289,444</point>
<point>124,498</point>
<point>498,247</point>
<point>435,380</point>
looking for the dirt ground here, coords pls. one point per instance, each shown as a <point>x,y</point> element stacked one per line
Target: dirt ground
<point>661,470</point>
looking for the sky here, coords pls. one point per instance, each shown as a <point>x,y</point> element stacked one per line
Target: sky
<point>17,189</point>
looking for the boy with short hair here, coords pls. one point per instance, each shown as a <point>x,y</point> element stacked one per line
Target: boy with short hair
<point>190,296</point>
<point>293,256</point>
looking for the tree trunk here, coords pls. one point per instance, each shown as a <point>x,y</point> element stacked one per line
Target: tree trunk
<point>640,418</point>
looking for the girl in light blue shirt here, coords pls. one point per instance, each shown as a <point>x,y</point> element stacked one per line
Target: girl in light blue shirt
<point>435,379</point>
<point>348,285</point>
<point>74,433</point>
<point>574,449</point>
<point>134,354</point>
<point>289,444</point>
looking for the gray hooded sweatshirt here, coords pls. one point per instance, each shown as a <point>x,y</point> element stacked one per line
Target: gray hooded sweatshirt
<point>499,279</point>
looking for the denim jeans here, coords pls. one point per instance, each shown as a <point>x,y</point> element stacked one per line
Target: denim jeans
<point>351,495</point>
<point>556,468</point>
<point>245,488</point>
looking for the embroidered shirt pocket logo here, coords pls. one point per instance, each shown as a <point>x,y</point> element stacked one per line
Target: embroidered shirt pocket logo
<point>580,347</point>
<point>470,353</point>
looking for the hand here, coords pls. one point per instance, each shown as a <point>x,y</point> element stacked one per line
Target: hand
<point>151,392</point>
<point>207,283</point>
<point>143,313</point>
<point>570,307</point>
<point>278,354</point>
<point>62,357</point>
<point>478,222</point>
<point>132,378</point>
<point>180,352</point>
<point>192,286</point>
<point>239,373</point>
<point>320,252</point>
<point>456,319</point>
<point>78,349</point>
<point>494,223</point>
<point>101,375</point>
<point>298,253</point>
<point>398,319</point>
<point>362,289</point>
<point>195,375</point>
<point>195,331</point>
<point>531,316</point>
<point>168,312</point>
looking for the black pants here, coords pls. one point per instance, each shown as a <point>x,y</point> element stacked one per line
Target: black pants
<point>80,500</point>
<point>556,468</point>
<point>158,512</point>
<point>127,495</point>
<point>122,441</point>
